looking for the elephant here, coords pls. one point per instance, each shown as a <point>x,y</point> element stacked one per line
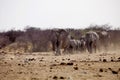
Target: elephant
<point>78,44</point>
<point>91,39</point>
<point>104,39</point>
<point>72,45</point>
<point>75,45</point>
<point>59,39</point>
<point>83,43</point>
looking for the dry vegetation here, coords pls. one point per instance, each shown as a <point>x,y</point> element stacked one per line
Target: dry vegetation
<point>46,66</point>
<point>27,55</point>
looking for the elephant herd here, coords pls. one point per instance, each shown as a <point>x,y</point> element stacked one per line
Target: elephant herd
<point>61,39</point>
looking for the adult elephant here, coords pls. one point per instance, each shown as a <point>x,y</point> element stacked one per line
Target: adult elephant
<point>91,41</point>
<point>60,40</point>
<point>104,39</point>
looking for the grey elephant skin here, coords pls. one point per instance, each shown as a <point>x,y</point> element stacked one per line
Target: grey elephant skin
<point>59,39</point>
<point>92,39</point>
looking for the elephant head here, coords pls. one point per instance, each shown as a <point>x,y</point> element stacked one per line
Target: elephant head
<point>59,40</point>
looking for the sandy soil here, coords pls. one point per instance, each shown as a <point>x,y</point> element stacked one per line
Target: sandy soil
<point>46,66</point>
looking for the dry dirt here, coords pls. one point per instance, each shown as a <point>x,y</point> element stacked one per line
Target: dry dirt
<point>46,66</point>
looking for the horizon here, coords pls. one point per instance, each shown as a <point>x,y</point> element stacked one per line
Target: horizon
<point>108,27</point>
<point>45,14</point>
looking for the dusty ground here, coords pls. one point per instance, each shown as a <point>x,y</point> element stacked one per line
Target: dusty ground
<point>46,66</point>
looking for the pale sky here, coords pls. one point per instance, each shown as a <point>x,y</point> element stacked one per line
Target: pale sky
<point>58,13</point>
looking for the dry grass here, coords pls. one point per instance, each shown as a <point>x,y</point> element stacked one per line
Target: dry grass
<point>46,66</point>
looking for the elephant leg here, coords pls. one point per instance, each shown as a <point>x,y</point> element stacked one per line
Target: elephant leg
<point>98,46</point>
<point>56,48</point>
<point>78,47</point>
<point>59,45</point>
<point>88,47</point>
<point>82,48</point>
<point>58,51</point>
<point>70,49</point>
<point>66,49</point>
<point>53,47</point>
<point>95,48</point>
<point>91,47</point>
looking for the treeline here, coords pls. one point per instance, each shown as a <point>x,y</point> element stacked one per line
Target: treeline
<point>40,39</point>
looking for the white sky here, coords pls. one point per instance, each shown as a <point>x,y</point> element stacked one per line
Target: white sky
<point>58,13</point>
